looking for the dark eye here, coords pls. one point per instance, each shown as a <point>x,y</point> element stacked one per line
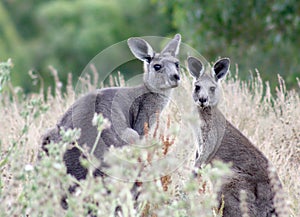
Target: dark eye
<point>177,65</point>
<point>157,67</point>
<point>148,59</point>
<point>197,88</point>
<point>212,89</point>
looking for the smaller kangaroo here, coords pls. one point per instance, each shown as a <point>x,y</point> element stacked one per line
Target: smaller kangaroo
<point>127,108</point>
<point>219,139</point>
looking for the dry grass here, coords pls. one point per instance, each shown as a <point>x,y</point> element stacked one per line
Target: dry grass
<point>271,122</point>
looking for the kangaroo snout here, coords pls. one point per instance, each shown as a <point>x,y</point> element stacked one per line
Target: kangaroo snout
<point>173,80</point>
<point>203,100</point>
<point>175,77</point>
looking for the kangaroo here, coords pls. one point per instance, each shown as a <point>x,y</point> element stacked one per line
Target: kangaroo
<point>127,108</point>
<point>220,140</point>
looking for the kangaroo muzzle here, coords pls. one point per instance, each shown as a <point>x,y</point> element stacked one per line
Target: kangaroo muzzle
<point>203,102</point>
<point>175,77</point>
<point>174,80</point>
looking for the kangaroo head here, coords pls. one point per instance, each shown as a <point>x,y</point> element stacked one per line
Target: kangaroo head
<point>161,69</point>
<point>207,90</point>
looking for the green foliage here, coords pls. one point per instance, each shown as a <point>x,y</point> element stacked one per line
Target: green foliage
<point>259,35</point>
<point>68,34</point>
<point>5,68</point>
<point>254,34</point>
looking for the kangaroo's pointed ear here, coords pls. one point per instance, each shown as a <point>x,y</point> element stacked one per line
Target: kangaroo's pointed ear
<point>221,68</point>
<point>141,49</point>
<point>173,46</point>
<point>195,67</point>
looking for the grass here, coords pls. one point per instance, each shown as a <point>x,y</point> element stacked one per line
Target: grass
<point>32,187</point>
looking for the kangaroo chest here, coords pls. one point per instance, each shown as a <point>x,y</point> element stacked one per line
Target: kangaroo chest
<point>210,134</point>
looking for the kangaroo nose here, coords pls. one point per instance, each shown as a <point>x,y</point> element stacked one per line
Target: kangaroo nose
<point>175,77</point>
<point>203,100</point>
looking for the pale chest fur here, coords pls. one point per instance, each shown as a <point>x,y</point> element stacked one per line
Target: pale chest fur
<point>210,134</point>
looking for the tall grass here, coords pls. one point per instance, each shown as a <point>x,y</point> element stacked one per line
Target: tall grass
<point>32,187</point>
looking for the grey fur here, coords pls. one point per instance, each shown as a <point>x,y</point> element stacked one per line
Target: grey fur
<point>220,140</point>
<point>127,108</point>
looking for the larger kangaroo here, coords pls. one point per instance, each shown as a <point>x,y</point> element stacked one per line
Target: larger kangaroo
<point>219,139</point>
<point>127,108</point>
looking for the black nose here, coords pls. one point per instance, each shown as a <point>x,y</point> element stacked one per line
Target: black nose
<point>203,100</point>
<point>175,77</point>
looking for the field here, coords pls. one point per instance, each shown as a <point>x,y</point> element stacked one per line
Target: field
<point>32,187</point>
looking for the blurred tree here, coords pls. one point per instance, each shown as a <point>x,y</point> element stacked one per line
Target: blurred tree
<point>68,34</point>
<point>15,26</point>
<point>258,34</point>
<point>9,40</point>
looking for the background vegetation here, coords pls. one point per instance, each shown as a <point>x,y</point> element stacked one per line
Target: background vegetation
<point>68,34</point>
<point>259,35</point>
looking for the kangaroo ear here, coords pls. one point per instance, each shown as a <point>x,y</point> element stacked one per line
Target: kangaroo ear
<point>195,67</point>
<point>221,68</point>
<point>173,46</point>
<point>141,49</point>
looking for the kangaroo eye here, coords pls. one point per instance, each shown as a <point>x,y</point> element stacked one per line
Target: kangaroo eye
<point>157,67</point>
<point>177,65</point>
<point>212,89</point>
<point>197,88</point>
